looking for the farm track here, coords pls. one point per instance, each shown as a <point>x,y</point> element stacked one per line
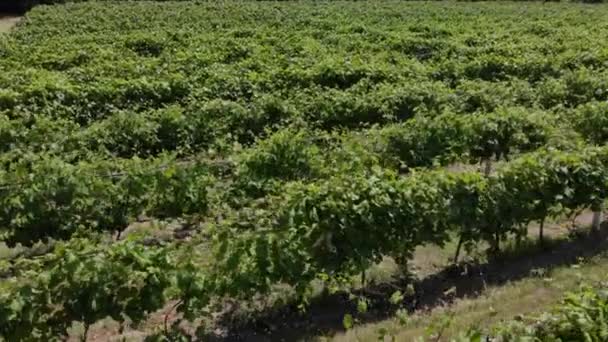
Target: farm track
<point>7,22</point>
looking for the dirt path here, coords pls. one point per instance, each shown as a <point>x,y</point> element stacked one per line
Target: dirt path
<point>7,22</point>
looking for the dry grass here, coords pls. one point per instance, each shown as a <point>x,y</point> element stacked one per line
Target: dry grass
<point>534,294</point>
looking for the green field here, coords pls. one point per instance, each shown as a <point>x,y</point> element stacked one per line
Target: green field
<point>162,161</point>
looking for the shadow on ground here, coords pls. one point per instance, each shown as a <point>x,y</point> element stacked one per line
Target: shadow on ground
<point>325,315</point>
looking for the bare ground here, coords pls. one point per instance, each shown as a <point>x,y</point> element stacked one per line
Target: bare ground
<point>7,22</point>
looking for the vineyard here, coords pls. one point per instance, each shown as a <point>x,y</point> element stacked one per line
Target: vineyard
<point>282,145</point>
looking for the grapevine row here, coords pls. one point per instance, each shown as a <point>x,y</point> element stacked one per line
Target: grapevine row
<point>343,224</point>
<point>53,198</point>
<point>49,198</point>
<point>195,128</point>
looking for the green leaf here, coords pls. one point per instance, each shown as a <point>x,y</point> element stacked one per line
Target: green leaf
<point>396,298</point>
<point>347,321</point>
<point>362,305</point>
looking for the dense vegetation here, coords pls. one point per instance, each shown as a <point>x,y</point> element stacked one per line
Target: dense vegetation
<point>294,142</point>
